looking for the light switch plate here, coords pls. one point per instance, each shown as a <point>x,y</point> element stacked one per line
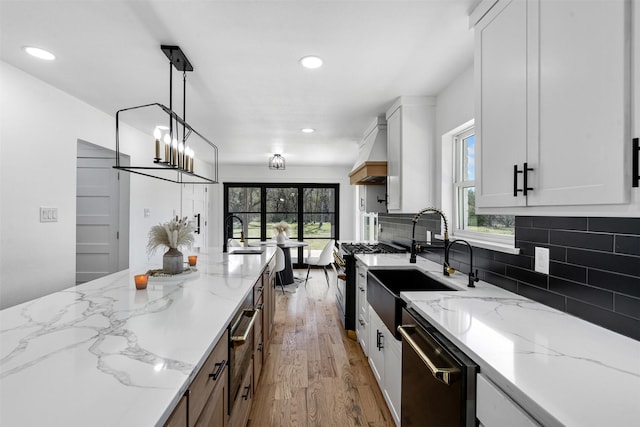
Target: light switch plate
<point>542,260</point>
<point>48,214</point>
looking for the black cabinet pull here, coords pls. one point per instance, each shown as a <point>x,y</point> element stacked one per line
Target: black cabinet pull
<point>260,346</point>
<point>525,174</point>
<point>247,389</point>
<point>379,337</point>
<point>636,162</point>
<point>525,185</point>
<point>218,371</point>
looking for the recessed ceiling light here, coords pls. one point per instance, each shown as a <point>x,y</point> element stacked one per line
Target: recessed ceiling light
<point>307,130</point>
<point>40,53</point>
<point>311,62</point>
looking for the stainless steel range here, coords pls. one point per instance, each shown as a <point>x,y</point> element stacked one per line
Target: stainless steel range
<point>346,294</point>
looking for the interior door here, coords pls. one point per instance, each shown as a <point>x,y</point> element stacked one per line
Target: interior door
<point>194,207</point>
<point>97,213</point>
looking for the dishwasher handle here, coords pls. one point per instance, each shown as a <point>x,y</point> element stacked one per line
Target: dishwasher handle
<point>239,338</point>
<point>445,375</point>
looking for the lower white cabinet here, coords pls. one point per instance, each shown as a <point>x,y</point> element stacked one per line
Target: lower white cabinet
<point>495,408</point>
<point>362,308</point>
<point>385,359</point>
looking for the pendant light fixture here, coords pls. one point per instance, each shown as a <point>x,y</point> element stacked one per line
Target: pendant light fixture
<point>171,151</point>
<point>277,162</point>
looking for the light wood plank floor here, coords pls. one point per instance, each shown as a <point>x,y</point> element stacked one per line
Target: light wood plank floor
<point>314,375</point>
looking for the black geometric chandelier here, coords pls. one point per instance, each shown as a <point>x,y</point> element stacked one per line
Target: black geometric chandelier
<point>173,156</point>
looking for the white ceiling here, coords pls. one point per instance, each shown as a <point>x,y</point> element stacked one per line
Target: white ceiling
<point>248,93</point>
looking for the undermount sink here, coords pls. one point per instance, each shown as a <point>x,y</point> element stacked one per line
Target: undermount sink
<point>384,287</point>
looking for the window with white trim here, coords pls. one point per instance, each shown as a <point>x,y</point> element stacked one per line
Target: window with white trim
<point>466,223</point>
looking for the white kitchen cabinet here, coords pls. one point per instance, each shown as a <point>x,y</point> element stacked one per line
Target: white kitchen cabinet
<point>362,308</point>
<point>393,374</point>
<point>495,408</point>
<point>385,359</point>
<point>552,83</point>
<point>376,352</point>
<point>410,148</point>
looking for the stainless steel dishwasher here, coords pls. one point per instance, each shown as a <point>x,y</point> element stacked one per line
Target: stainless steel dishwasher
<point>438,380</point>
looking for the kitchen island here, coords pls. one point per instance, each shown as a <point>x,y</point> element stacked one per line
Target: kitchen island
<point>106,354</point>
<point>559,369</point>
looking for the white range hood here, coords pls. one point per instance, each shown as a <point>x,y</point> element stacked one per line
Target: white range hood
<point>371,166</point>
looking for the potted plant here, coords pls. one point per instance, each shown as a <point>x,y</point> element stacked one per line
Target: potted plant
<point>282,228</point>
<point>173,234</point>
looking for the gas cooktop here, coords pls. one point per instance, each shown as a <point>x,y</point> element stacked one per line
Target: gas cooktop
<point>371,248</point>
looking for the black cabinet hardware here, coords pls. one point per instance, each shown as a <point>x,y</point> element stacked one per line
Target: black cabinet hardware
<point>197,230</point>
<point>525,184</point>
<point>379,337</point>
<point>247,390</point>
<point>636,162</point>
<point>218,371</point>
<point>260,346</point>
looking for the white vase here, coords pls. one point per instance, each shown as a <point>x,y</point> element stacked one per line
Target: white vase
<point>280,238</point>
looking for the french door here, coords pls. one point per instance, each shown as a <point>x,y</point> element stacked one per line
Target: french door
<point>310,210</point>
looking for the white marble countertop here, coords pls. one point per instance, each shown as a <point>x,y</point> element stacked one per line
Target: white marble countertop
<point>105,354</point>
<point>559,368</point>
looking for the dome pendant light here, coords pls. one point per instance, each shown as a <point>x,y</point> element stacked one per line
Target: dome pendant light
<point>277,162</point>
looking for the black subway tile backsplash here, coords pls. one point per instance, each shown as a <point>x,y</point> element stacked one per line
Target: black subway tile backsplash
<point>615,225</point>
<point>594,271</point>
<point>516,260</point>
<point>566,271</point>
<point>627,305</point>
<point>576,239</point>
<point>627,245</point>
<point>543,296</point>
<point>527,276</point>
<point>581,292</point>
<point>502,281</point>
<point>537,235</point>
<point>619,283</point>
<point>560,223</point>
<point>605,261</point>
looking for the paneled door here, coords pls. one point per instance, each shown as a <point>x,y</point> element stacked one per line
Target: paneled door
<point>97,213</point>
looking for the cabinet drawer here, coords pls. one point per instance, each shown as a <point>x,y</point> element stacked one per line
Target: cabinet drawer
<point>495,408</point>
<point>208,378</point>
<point>258,290</point>
<point>216,408</point>
<point>242,405</point>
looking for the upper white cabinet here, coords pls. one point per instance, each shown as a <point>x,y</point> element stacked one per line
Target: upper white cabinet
<point>552,83</point>
<point>410,148</point>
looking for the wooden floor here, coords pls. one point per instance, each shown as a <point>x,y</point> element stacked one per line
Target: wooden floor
<point>314,375</point>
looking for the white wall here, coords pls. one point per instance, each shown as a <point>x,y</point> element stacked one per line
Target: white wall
<point>293,174</point>
<point>39,129</point>
<point>454,106</point>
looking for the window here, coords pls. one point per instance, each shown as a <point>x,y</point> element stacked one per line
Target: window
<point>466,223</point>
<point>311,210</point>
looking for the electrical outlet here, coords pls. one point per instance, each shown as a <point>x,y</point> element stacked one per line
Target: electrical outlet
<point>542,260</point>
